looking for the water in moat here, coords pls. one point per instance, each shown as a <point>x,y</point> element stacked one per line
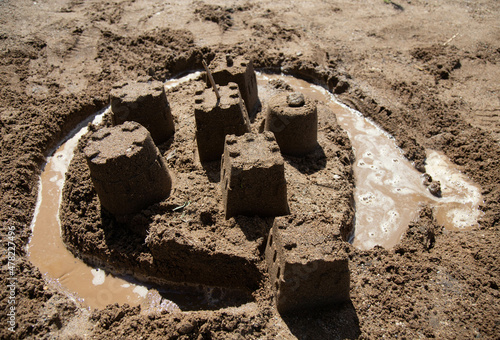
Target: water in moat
<point>388,194</point>
<point>388,189</point>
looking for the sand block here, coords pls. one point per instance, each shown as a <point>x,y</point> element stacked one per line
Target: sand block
<point>307,264</point>
<point>126,168</point>
<point>226,69</point>
<point>253,176</point>
<point>183,256</point>
<point>293,118</point>
<point>145,103</point>
<point>216,119</point>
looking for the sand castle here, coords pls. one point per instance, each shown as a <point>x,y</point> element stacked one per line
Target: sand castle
<point>306,262</point>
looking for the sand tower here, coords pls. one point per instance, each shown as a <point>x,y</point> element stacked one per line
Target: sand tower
<point>253,176</point>
<point>226,69</point>
<point>294,120</point>
<point>126,168</point>
<point>217,118</point>
<point>145,103</point>
<point>307,264</point>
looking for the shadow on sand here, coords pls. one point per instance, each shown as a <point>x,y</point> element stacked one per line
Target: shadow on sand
<point>337,322</point>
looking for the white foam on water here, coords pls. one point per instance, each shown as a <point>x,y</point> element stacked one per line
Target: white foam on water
<point>452,180</point>
<point>141,291</point>
<point>99,276</point>
<point>176,82</point>
<point>458,192</point>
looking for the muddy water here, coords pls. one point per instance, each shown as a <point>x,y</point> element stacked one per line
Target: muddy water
<point>388,189</point>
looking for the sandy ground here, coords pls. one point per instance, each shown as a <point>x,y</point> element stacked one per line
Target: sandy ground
<point>426,71</point>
